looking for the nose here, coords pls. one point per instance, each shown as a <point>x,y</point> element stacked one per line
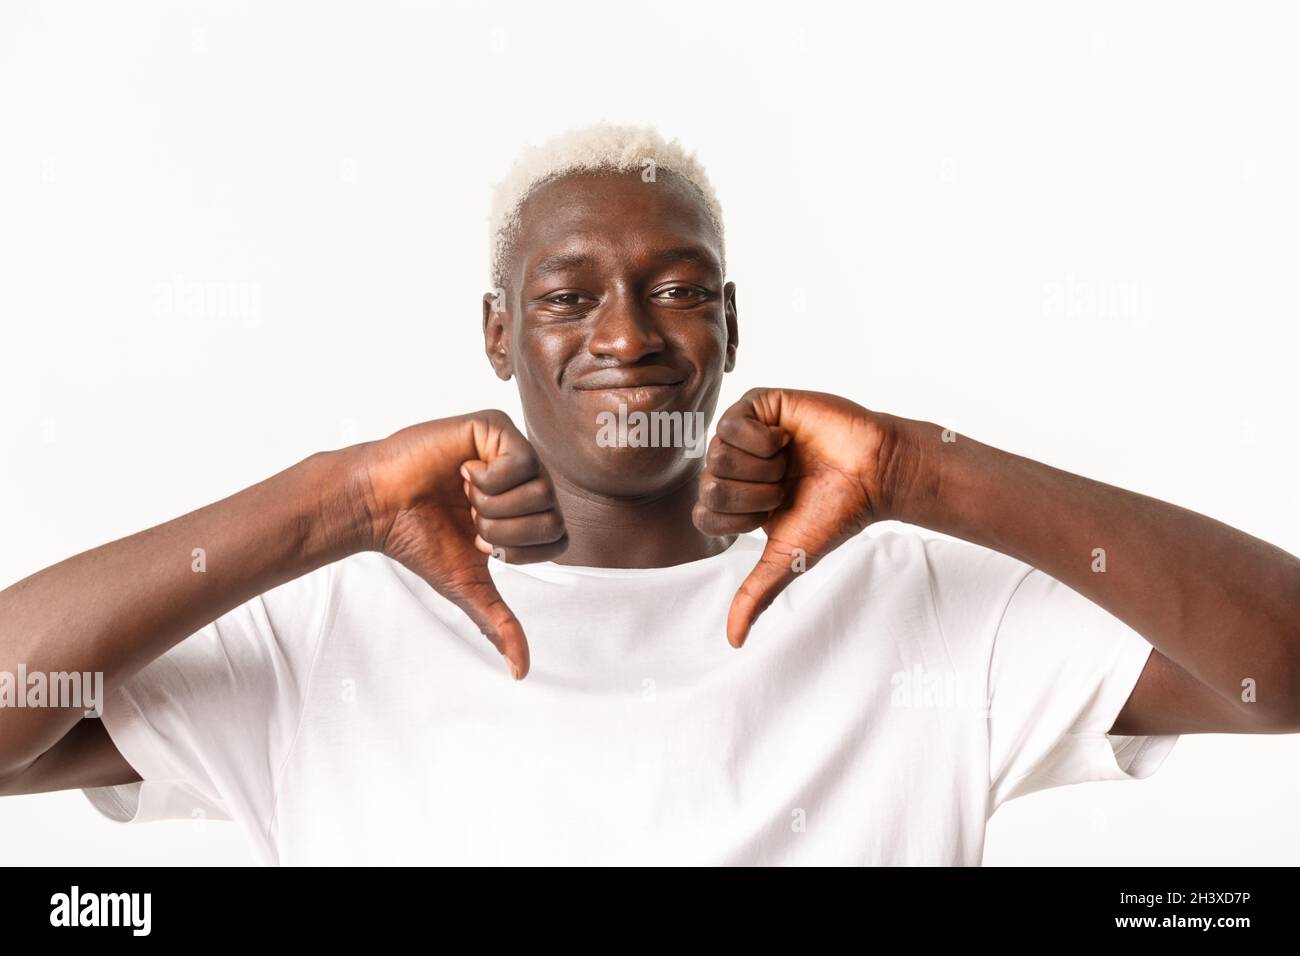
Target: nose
<point>624,330</point>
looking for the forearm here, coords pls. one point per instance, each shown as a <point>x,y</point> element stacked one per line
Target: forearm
<point>117,607</point>
<point>1223,605</point>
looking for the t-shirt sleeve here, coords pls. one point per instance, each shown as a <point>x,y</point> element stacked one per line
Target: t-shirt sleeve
<point>209,724</point>
<point>1059,670</point>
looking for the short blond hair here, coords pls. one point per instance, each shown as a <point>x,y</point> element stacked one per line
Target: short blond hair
<point>600,147</point>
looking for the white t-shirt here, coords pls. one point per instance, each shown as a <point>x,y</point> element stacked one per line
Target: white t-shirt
<point>884,706</point>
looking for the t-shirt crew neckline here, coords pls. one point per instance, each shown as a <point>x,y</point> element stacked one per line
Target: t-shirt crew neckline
<point>551,568</point>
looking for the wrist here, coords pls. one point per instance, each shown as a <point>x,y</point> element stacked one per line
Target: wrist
<point>338,510</point>
<point>907,470</point>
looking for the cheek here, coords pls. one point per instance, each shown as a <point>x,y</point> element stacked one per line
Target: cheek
<point>543,357</point>
<point>543,362</point>
<point>705,342</point>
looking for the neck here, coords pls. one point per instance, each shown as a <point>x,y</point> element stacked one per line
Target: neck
<point>655,531</point>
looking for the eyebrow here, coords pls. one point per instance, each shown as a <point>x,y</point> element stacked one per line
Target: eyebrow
<point>689,254</point>
<point>563,261</point>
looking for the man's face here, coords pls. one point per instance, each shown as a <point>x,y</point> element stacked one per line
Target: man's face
<point>614,297</point>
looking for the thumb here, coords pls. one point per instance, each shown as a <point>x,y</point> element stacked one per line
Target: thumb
<point>505,458</point>
<point>772,575</point>
<point>482,603</point>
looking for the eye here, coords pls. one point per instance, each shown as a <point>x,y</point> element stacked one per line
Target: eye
<point>565,301</point>
<point>562,305</point>
<point>683,294</point>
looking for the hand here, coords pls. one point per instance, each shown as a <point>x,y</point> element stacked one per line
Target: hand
<point>808,468</point>
<point>444,495</point>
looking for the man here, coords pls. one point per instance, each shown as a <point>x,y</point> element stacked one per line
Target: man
<point>307,657</point>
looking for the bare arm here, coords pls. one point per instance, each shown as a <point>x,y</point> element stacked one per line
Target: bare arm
<point>1221,608</point>
<point>117,607</point>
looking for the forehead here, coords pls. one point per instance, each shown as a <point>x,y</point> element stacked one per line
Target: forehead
<point>612,215</point>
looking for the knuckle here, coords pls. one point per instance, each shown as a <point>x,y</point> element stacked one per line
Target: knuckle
<point>546,496</point>
<point>728,427</point>
<point>710,522</point>
<point>709,489</point>
<point>552,525</point>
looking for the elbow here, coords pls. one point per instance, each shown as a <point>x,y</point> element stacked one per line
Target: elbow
<point>1278,697</point>
<point>1290,685</point>
<point>1289,723</point>
<point>15,767</point>
<point>11,778</point>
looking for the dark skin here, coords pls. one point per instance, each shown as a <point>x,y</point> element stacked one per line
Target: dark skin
<point>616,288</point>
<point>632,323</point>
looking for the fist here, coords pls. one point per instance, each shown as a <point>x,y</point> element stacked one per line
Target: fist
<point>808,468</point>
<point>445,495</point>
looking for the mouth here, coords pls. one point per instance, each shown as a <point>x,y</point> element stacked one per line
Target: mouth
<point>633,396</point>
<point>620,379</point>
<point>641,387</point>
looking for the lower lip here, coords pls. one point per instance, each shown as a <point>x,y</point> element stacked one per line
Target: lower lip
<point>640,395</point>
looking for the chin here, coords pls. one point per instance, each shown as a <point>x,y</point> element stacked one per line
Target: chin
<point>635,472</point>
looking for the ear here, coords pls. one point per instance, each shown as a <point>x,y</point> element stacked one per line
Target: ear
<point>733,328</point>
<point>496,333</point>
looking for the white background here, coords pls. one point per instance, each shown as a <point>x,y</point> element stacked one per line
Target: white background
<point>232,234</point>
